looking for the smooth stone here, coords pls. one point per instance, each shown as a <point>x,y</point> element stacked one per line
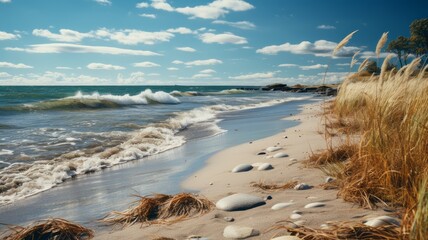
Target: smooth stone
<point>329,179</point>
<point>273,149</point>
<point>261,153</point>
<point>293,160</point>
<point>229,219</point>
<point>239,201</point>
<point>381,221</point>
<point>295,216</point>
<point>315,205</point>
<point>297,212</point>
<point>286,238</point>
<point>268,197</point>
<point>242,168</point>
<point>324,226</point>
<point>257,164</point>
<point>302,186</point>
<point>300,222</point>
<point>239,232</point>
<point>264,167</point>
<point>279,206</point>
<point>280,155</point>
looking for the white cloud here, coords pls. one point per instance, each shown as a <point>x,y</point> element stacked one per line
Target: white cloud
<point>186,49</point>
<point>371,54</point>
<point>320,48</point>
<point>342,64</point>
<point>241,24</point>
<point>5,1</point>
<point>102,66</point>
<point>177,62</point>
<point>180,30</point>
<point>64,68</point>
<point>103,2</point>
<point>13,65</point>
<point>312,67</point>
<point>153,74</point>
<point>207,62</point>
<point>173,69</point>
<point>74,48</point>
<point>212,10</point>
<point>254,76</point>
<point>148,15</point>
<point>288,65</point>
<point>201,75</point>
<point>146,64</point>
<point>65,35</point>
<point>134,78</point>
<point>8,36</point>
<point>133,37</point>
<point>207,71</point>
<point>4,75</point>
<point>326,27</point>
<point>222,38</point>
<point>142,5</point>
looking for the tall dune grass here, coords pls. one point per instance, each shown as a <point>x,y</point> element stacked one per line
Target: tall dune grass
<point>392,158</point>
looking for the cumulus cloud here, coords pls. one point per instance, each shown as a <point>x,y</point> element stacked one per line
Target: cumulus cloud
<point>102,66</point>
<point>254,76</point>
<point>206,62</point>
<point>207,71</point>
<point>64,68</point>
<point>326,27</point>
<point>288,65</point>
<point>142,5</point>
<point>320,48</point>
<point>201,75</point>
<point>134,78</point>
<point>133,37</point>
<point>173,69</point>
<point>371,54</point>
<point>5,1</point>
<point>13,65</point>
<point>222,38</point>
<point>186,49</point>
<point>4,75</point>
<point>146,64</point>
<point>64,35</point>
<point>8,36</point>
<point>241,24</point>
<point>212,10</point>
<point>74,48</point>
<point>180,30</point>
<point>342,64</point>
<point>177,62</point>
<point>53,78</point>
<point>103,2</point>
<point>148,15</point>
<point>312,67</point>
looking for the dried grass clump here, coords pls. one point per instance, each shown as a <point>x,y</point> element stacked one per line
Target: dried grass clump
<point>51,229</point>
<point>332,155</point>
<point>344,230</point>
<point>161,208</point>
<point>274,186</point>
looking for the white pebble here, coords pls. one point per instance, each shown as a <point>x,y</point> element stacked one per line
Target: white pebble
<point>314,205</point>
<point>280,155</point>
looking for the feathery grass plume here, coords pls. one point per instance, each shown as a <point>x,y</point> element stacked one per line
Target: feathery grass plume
<point>381,43</point>
<point>274,186</point>
<point>50,229</point>
<point>161,208</point>
<point>342,230</point>
<point>354,61</point>
<point>343,42</point>
<point>385,66</point>
<point>412,67</point>
<point>363,64</point>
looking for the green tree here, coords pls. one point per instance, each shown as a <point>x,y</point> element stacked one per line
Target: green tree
<point>400,46</point>
<point>419,36</point>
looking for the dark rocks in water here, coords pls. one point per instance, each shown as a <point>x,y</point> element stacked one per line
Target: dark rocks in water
<point>324,90</point>
<point>276,87</point>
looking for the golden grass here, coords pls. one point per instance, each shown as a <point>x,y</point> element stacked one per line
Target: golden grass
<point>381,43</point>
<point>274,186</point>
<point>342,43</point>
<point>343,230</point>
<point>332,155</point>
<point>54,229</point>
<point>161,208</point>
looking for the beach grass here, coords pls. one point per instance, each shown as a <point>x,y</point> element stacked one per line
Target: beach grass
<point>274,186</point>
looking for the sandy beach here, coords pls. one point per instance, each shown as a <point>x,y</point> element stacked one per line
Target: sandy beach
<point>216,181</point>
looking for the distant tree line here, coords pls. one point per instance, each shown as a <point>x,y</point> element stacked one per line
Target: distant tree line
<point>416,44</point>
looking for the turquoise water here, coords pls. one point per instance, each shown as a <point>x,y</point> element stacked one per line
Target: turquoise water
<point>51,134</point>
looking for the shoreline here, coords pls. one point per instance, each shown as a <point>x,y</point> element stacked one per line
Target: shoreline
<point>215,181</point>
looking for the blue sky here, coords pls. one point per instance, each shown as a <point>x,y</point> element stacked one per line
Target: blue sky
<point>214,42</point>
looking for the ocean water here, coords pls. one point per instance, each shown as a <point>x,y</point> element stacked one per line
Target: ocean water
<point>49,135</point>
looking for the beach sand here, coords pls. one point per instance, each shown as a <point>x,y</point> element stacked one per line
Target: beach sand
<point>216,181</point>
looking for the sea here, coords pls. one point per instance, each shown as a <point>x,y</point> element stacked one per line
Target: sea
<point>58,142</point>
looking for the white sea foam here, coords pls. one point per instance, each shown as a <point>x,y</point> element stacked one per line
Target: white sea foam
<point>6,152</point>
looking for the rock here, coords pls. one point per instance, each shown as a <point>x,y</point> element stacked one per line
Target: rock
<point>293,160</point>
<point>239,232</point>
<point>211,183</point>
<point>229,219</point>
<point>281,205</point>
<point>268,197</point>
<point>273,149</point>
<point>295,216</point>
<point>329,179</point>
<point>297,212</point>
<point>300,222</point>
<point>261,153</point>
<point>302,186</point>
<point>264,167</point>
<point>239,201</point>
<point>324,226</point>
<point>315,205</point>
<point>381,221</point>
<point>280,155</point>
<point>242,168</point>
<point>286,238</point>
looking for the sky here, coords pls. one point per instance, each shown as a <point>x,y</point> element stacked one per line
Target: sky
<point>192,42</point>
